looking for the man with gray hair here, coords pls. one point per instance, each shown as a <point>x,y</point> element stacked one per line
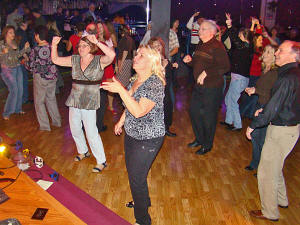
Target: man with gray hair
<point>282,115</point>
<point>209,62</point>
<point>91,12</point>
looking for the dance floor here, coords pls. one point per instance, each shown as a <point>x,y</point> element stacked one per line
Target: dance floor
<point>184,188</point>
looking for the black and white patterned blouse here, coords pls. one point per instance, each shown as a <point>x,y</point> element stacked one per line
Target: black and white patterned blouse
<point>152,124</point>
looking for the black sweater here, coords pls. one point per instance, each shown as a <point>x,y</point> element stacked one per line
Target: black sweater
<point>241,54</point>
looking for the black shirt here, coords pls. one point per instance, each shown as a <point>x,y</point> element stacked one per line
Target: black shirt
<point>240,53</point>
<point>283,109</point>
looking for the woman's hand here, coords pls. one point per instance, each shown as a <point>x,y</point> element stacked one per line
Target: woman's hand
<point>118,128</point>
<point>4,50</point>
<point>228,20</point>
<point>228,16</point>
<point>196,14</point>
<point>92,38</point>
<point>115,86</point>
<point>55,40</point>
<point>250,90</point>
<point>187,59</point>
<point>27,45</point>
<point>175,65</point>
<point>165,63</point>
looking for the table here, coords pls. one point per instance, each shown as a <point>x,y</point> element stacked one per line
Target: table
<point>26,196</point>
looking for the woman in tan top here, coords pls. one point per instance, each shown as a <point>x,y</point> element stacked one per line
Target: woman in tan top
<point>263,89</point>
<point>84,99</point>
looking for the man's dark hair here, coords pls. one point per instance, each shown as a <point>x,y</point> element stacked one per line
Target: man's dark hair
<point>42,31</point>
<point>80,26</point>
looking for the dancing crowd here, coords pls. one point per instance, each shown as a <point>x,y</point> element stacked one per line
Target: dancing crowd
<point>264,87</point>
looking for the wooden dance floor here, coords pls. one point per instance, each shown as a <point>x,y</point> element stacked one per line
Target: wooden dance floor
<point>185,188</point>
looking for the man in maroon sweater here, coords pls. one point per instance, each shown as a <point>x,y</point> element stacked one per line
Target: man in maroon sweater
<point>209,62</point>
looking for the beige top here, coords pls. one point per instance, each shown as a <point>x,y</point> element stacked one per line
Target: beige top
<point>84,96</point>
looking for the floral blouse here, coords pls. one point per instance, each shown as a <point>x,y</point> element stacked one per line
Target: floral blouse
<point>40,63</point>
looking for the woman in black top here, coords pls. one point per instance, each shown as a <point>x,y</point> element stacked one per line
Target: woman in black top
<point>143,120</point>
<point>126,48</point>
<point>240,67</point>
<point>158,44</point>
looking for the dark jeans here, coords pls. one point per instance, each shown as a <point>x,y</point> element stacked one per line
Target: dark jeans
<point>139,156</point>
<point>247,107</point>
<point>204,109</point>
<point>258,140</point>
<point>100,112</point>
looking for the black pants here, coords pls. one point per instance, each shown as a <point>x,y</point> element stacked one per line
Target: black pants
<point>204,108</point>
<point>139,156</point>
<point>168,106</point>
<point>100,112</point>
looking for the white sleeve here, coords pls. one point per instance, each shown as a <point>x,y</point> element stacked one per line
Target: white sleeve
<point>189,25</point>
<point>146,38</point>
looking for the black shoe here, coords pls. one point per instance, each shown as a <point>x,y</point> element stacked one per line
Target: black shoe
<point>283,207</point>
<point>225,124</point>
<point>104,128</point>
<point>250,168</point>
<point>170,134</point>
<point>195,143</point>
<point>202,151</point>
<point>130,204</point>
<point>233,128</point>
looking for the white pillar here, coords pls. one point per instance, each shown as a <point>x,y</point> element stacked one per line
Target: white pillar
<point>267,15</point>
<point>148,10</point>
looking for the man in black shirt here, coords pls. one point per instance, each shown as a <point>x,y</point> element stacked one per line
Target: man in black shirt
<point>282,113</point>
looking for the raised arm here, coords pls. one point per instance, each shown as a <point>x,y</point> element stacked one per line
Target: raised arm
<point>109,52</point>
<point>61,61</point>
<point>189,25</point>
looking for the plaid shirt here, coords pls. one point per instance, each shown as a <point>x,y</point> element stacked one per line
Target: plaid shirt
<point>173,40</point>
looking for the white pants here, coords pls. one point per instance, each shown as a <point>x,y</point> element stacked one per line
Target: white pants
<point>88,118</point>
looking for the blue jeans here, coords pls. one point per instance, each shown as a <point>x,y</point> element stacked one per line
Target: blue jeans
<point>25,84</point>
<point>247,106</point>
<point>237,86</point>
<point>13,78</point>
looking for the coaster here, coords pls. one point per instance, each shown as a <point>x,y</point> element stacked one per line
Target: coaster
<point>39,214</point>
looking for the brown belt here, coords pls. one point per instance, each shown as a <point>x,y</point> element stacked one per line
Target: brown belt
<point>87,82</point>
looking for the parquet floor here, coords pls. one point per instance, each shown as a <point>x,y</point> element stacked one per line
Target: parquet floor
<point>185,188</point>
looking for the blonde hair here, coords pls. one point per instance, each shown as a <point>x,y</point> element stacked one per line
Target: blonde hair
<point>273,65</point>
<point>155,60</point>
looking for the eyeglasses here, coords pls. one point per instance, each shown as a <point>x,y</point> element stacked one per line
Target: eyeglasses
<point>83,46</point>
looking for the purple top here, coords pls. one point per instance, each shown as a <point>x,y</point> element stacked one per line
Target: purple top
<point>40,62</point>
